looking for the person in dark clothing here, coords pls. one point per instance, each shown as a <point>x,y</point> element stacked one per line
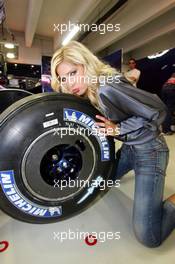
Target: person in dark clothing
<point>168,97</point>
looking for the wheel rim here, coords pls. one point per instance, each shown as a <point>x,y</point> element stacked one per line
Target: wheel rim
<point>62,163</point>
<point>80,147</point>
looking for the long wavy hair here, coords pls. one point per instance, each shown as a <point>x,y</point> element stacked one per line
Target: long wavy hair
<point>76,53</point>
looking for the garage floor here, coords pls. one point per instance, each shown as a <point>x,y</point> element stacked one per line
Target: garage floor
<point>39,244</point>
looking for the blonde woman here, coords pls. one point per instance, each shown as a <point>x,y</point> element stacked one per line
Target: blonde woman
<point>133,117</point>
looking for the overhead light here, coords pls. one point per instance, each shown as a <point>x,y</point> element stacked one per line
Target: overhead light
<point>158,54</point>
<point>71,35</point>
<point>9,45</point>
<point>10,55</point>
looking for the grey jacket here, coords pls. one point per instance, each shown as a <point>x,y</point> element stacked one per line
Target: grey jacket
<point>138,112</point>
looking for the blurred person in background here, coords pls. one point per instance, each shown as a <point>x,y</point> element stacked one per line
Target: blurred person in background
<point>168,97</point>
<point>133,74</point>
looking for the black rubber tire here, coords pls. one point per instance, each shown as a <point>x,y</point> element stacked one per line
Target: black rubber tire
<point>10,96</point>
<point>28,131</point>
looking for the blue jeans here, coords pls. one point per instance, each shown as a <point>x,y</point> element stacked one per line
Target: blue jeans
<point>153,218</point>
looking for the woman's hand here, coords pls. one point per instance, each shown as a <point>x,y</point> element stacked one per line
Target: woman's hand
<point>107,127</point>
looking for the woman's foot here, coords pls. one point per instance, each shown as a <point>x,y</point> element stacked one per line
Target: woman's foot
<point>171,199</point>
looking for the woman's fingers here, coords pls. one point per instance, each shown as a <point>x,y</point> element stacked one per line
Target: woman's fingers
<point>107,127</point>
<point>102,118</point>
<point>100,124</point>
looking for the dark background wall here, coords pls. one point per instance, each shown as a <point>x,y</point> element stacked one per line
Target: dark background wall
<point>114,59</point>
<point>154,72</point>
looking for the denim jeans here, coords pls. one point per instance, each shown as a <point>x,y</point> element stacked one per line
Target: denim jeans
<point>153,218</point>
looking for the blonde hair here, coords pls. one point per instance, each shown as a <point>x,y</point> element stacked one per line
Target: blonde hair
<point>76,53</point>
